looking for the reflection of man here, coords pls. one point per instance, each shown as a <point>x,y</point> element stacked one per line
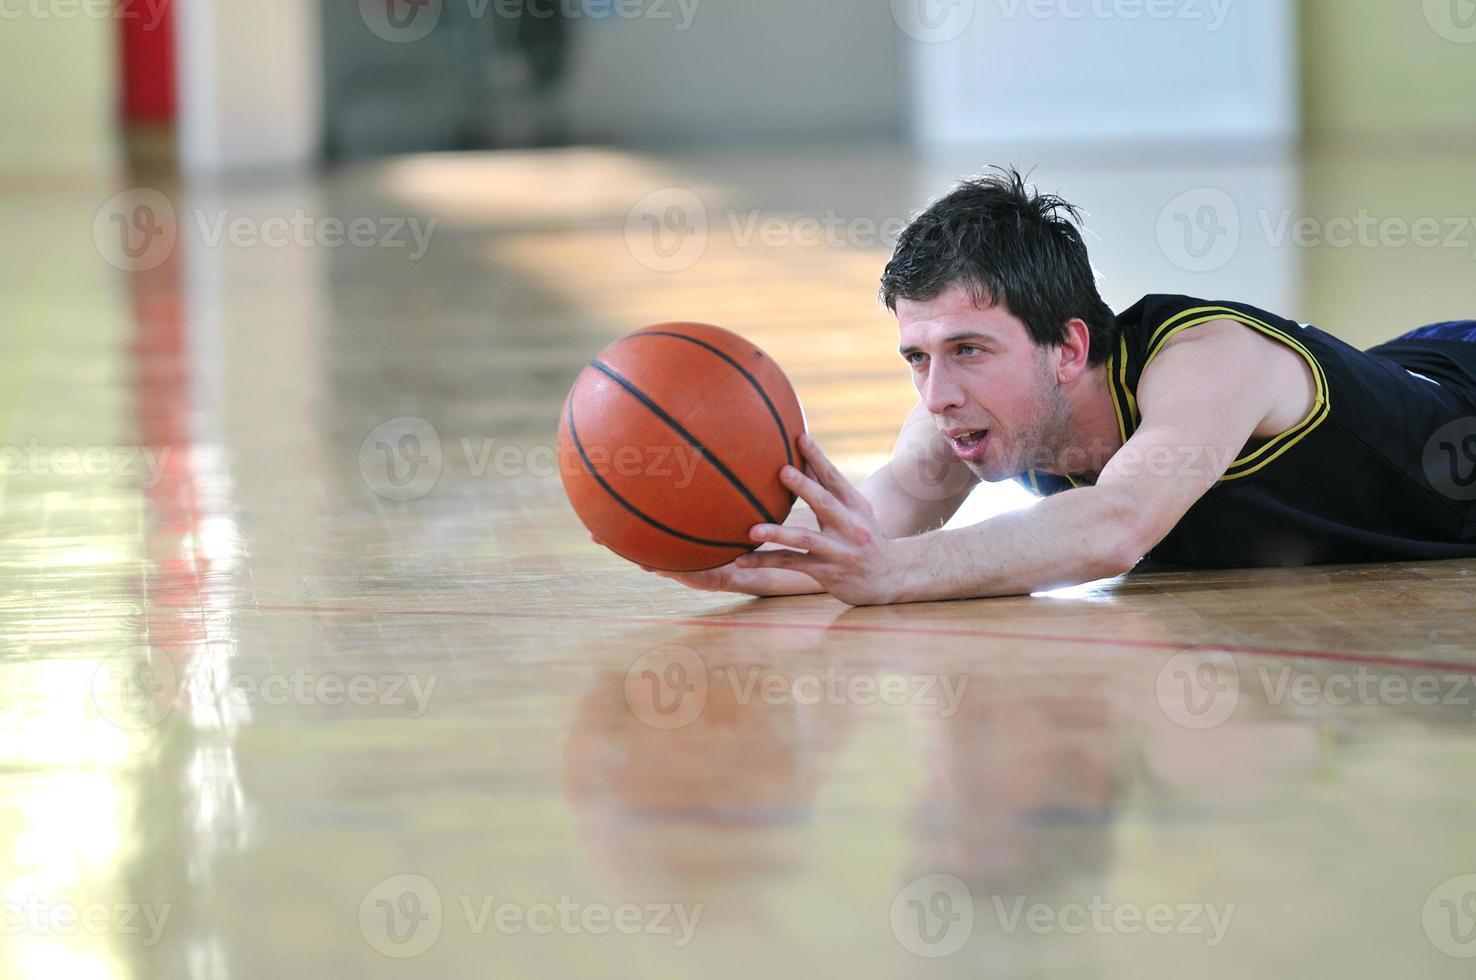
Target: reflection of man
<point>718,805</point>
<point>1199,432</point>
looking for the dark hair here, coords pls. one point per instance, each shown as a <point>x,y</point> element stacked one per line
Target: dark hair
<point>1005,244</point>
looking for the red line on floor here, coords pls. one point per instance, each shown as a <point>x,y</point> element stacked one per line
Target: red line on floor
<point>1118,642</point>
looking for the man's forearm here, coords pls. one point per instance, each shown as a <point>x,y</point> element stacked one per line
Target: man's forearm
<point>1073,537</point>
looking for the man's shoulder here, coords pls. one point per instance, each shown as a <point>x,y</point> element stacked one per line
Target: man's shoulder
<point>1159,318</point>
<point>1154,310</point>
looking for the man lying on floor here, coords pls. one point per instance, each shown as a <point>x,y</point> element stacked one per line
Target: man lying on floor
<point>1194,432</point>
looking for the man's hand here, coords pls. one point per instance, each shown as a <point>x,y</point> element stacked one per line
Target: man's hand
<point>745,581</point>
<point>848,555</point>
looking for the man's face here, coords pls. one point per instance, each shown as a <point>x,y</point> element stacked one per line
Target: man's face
<point>986,383</point>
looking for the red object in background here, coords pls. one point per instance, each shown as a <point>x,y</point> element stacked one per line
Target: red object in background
<point>148,61</point>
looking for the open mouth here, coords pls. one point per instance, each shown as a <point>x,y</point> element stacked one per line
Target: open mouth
<point>970,445</point>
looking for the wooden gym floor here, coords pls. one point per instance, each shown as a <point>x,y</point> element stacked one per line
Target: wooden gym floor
<point>273,708</point>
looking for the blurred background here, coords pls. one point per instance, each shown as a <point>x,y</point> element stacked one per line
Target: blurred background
<point>1197,133</point>
<point>247,246</point>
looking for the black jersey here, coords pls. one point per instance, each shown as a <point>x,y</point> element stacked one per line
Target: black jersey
<point>1383,468</point>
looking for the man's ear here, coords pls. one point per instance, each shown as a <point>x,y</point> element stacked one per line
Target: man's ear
<point>1074,351</point>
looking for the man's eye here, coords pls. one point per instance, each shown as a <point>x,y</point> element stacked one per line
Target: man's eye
<point>970,350</point>
<point>916,357</point>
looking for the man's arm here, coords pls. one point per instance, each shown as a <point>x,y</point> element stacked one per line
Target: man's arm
<point>1201,399</point>
<point>919,489</point>
<point>1206,393</point>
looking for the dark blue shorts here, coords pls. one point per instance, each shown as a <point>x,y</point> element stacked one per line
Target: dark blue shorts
<point>1443,352</point>
<point>1449,330</point>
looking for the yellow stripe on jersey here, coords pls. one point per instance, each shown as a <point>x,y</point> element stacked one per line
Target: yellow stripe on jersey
<point>1252,462</point>
<point>1121,395</point>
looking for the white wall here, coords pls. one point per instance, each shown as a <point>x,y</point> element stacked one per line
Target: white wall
<point>1101,70</point>
<point>249,84</point>
<point>741,70</point>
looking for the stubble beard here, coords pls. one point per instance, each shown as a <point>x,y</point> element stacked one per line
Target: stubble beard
<point>1041,443</point>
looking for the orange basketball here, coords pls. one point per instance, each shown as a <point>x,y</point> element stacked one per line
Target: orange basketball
<point>671,442</point>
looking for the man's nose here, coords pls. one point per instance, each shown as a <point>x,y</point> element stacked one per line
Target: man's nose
<point>940,394</point>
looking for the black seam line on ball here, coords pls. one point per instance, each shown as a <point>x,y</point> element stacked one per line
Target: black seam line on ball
<point>783,433</point>
<point>706,453</point>
<point>574,434</point>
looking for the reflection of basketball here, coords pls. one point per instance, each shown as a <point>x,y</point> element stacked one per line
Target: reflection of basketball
<point>671,442</point>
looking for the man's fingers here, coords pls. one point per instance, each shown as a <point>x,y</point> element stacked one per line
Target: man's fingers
<point>827,474</point>
<point>827,507</point>
<point>795,560</point>
<point>814,542</point>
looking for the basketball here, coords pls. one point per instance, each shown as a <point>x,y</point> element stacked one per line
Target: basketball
<point>671,442</point>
